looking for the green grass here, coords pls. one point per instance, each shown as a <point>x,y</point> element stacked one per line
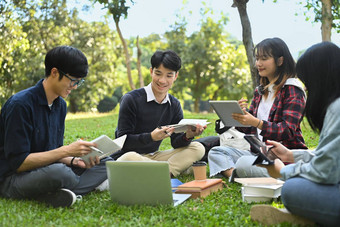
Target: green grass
<point>224,208</point>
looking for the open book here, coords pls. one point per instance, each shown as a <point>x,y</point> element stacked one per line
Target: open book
<point>185,124</point>
<point>105,147</point>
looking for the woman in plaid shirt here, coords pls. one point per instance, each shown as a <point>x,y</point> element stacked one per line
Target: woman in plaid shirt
<point>275,112</point>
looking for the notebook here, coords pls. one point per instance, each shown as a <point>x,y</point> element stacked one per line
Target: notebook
<point>224,109</point>
<point>141,182</point>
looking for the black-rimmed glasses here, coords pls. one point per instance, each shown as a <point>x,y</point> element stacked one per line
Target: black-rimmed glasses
<point>73,82</point>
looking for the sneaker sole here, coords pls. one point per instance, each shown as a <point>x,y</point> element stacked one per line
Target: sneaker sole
<point>269,215</point>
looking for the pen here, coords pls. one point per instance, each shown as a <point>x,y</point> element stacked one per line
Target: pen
<point>160,127</point>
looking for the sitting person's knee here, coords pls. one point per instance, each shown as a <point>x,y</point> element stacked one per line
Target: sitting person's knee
<point>130,156</point>
<point>198,149</point>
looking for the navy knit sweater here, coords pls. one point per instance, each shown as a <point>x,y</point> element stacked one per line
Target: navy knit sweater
<point>138,118</point>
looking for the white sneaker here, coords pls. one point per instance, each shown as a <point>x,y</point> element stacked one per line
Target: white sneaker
<point>104,186</point>
<point>61,198</point>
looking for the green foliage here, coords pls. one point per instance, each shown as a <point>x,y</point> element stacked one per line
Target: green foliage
<point>224,208</point>
<point>316,7</point>
<point>117,8</point>
<point>213,67</point>
<point>107,104</point>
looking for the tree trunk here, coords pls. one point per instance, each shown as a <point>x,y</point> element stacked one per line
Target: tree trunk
<point>139,54</point>
<point>127,57</point>
<point>247,37</point>
<point>327,19</point>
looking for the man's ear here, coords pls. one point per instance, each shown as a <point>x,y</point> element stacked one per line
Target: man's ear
<point>54,72</point>
<point>176,75</point>
<point>151,70</point>
<point>279,61</point>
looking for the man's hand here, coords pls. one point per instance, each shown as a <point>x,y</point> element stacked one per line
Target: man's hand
<point>78,162</point>
<point>161,133</point>
<point>79,148</point>
<point>198,130</point>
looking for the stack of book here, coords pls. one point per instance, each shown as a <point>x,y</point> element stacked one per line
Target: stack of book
<point>201,188</point>
<point>261,189</point>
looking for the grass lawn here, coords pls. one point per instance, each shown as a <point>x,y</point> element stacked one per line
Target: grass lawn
<point>224,208</point>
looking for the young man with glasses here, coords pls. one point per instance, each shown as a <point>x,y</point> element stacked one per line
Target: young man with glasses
<point>34,163</point>
<point>144,111</point>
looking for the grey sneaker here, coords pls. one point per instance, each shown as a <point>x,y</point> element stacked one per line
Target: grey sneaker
<point>61,198</point>
<point>269,215</point>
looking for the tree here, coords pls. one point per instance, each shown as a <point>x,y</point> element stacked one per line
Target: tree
<point>211,65</point>
<point>31,28</point>
<point>119,9</point>
<point>247,38</point>
<point>328,13</point>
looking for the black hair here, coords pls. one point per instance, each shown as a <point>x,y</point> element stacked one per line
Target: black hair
<point>168,58</point>
<point>68,59</point>
<point>276,48</point>
<point>319,69</point>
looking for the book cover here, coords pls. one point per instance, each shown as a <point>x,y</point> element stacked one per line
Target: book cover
<point>105,147</point>
<point>258,181</point>
<point>175,183</point>
<point>200,188</point>
<point>199,185</point>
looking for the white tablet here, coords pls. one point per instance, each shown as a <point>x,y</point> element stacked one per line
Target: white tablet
<point>224,109</point>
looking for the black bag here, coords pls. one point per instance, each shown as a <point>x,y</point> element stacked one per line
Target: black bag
<point>208,142</point>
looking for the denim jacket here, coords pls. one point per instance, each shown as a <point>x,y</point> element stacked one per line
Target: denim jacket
<point>323,164</point>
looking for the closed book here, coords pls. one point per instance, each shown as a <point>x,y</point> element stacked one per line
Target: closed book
<point>271,190</point>
<point>258,181</point>
<point>255,198</point>
<point>200,188</point>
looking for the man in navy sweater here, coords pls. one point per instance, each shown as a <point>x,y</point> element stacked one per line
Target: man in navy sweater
<point>143,110</point>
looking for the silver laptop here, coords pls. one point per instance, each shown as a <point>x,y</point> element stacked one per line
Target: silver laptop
<point>133,182</point>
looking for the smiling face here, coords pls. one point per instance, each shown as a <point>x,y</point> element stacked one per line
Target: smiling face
<point>61,87</point>
<point>266,66</point>
<point>162,81</point>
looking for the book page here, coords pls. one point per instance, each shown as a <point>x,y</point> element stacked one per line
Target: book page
<point>105,145</point>
<point>186,124</point>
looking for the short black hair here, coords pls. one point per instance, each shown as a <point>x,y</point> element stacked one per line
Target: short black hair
<point>319,69</point>
<point>168,58</point>
<point>68,59</point>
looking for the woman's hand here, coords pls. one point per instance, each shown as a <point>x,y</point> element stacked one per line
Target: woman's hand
<point>274,170</point>
<point>281,151</point>
<point>246,119</point>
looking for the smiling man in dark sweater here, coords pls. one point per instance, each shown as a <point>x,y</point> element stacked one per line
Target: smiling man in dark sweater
<point>143,110</point>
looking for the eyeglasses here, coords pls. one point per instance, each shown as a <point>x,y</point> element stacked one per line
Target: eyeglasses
<point>73,82</point>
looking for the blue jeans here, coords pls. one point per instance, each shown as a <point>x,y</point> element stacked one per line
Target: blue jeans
<point>222,158</point>
<point>51,178</point>
<point>317,202</point>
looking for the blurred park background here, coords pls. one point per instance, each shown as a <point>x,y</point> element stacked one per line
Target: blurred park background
<point>214,38</point>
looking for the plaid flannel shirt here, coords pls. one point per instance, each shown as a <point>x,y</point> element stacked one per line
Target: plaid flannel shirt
<point>284,119</point>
